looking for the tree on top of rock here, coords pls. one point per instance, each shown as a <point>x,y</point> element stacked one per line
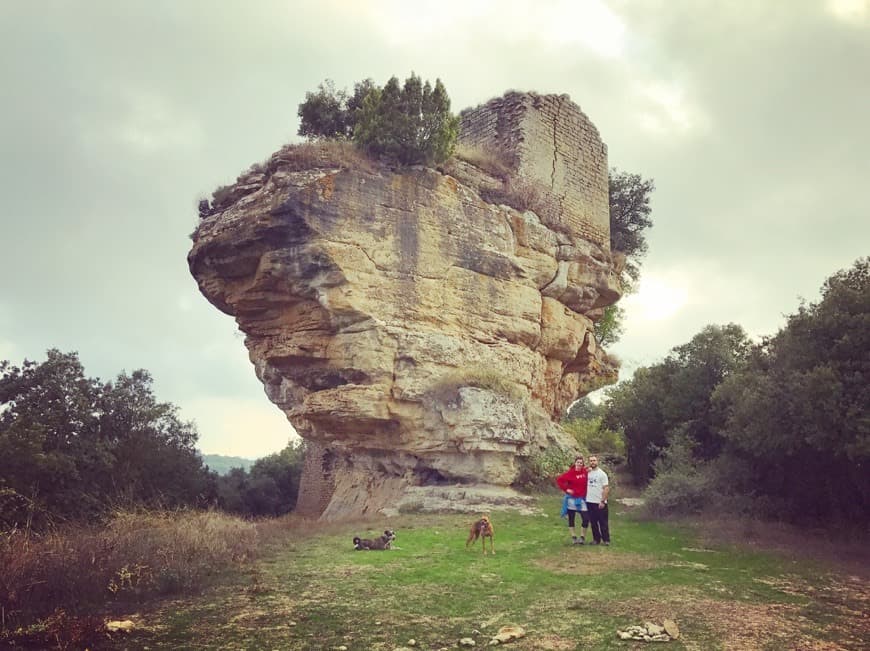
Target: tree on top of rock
<point>410,124</point>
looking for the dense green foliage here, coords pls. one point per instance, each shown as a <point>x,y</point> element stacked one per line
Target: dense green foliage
<point>73,447</point>
<point>676,396</point>
<point>629,217</point>
<point>270,487</point>
<point>610,327</point>
<point>594,438</point>
<point>583,408</point>
<point>785,421</point>
<point>630,212</point>
<point>798,413</point>
<point>410,124</point>
<point>331,113</point>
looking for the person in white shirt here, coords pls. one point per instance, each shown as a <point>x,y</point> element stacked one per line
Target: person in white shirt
<point>597,490</point>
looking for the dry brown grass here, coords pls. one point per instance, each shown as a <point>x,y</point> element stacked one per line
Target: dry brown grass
<point>740,625</point>
<point>77,568</point>
<point>299,157</point>
<point>846,551</point>
<point>320,154</point>
<point>490,160</point>
<point>517,193</point>
<point>446,387</point>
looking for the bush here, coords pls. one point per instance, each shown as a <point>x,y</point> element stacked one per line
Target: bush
<point>591,435</point>
<point>540,470</point>
<point>79,568</point>
<point>681,486</point>
<point>329,113</point>
<point>678,493</point>
<point>270,487</point>
<point>410,125</point>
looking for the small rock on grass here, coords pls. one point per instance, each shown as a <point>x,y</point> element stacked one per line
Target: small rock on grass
<point>125,625</point>
<point>506,634</point>
<point>467,641</point>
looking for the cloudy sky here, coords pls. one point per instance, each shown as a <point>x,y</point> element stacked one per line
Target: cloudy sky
<point>751,116</point>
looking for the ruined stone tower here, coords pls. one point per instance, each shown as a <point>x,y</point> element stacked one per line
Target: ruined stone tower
<point>551,144</point>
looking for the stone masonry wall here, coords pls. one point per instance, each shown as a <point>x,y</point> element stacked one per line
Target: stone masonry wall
<point>554,147</point>
<point>318,480</point>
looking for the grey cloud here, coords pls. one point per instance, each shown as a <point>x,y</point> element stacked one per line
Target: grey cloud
<point>122,114</point>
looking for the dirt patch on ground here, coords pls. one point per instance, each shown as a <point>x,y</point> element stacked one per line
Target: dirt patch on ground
<point>848,553</point>
<point>742,626</point>
<point>554,643</point>
<point>574,562</point>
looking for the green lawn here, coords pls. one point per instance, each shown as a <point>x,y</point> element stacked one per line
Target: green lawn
<point>316,592</point>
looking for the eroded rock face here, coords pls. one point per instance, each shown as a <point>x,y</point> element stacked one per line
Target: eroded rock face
<point>414,334</point>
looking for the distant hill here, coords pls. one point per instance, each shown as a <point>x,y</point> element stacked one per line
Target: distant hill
<point>222,464</point>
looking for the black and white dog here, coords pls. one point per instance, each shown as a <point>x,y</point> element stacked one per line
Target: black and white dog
<point>384,542</point>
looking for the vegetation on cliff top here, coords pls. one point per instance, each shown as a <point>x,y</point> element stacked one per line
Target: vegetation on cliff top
<point>410,124</point>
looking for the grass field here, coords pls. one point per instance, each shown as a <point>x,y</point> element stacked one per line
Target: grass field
<point>314,592</point>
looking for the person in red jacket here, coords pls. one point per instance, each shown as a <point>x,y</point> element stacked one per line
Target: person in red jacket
<point>573,484</point>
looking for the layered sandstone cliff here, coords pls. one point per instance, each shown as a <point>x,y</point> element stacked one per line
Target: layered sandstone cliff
<point>415,334</point>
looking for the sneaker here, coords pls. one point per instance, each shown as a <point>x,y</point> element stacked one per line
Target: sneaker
<point>597,542</point>
<point>607,542</point>
<point>573,540</point>
<point>579,541</point>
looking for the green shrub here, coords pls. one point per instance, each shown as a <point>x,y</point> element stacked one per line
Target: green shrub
<point>331,113</point>
<point>540,470</point>
<point>681,485</point>
<point>410,125</point>
<point>678,493</point>
<point>591,435</point>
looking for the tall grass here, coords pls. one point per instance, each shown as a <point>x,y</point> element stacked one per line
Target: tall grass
<point>78,569</point>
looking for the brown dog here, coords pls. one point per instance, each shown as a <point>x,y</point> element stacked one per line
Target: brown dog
<point>481,529</point>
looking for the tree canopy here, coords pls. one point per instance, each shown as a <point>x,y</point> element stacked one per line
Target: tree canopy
<point>73,447</point>
<point>785,421</point>
<point>630,212</point>
<point>409,124</point>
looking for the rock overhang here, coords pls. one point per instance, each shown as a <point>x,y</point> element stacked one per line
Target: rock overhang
<point>363,293</point>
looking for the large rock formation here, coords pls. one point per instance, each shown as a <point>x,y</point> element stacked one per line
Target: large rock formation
<point>416,334</point>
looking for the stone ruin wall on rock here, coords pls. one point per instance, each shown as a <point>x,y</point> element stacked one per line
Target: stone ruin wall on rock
<point>318,469</point>
<point>554,147</point>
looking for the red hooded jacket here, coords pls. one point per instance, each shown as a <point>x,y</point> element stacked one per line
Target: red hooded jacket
<point>575,480</point>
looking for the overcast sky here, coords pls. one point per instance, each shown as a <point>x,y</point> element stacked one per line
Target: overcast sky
<point>751,116</point>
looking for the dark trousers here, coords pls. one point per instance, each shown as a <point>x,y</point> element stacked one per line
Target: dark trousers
<point>598,522</point>
<point>584,518</point>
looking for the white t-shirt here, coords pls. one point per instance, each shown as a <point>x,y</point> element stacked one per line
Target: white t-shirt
<point>597,480</point>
